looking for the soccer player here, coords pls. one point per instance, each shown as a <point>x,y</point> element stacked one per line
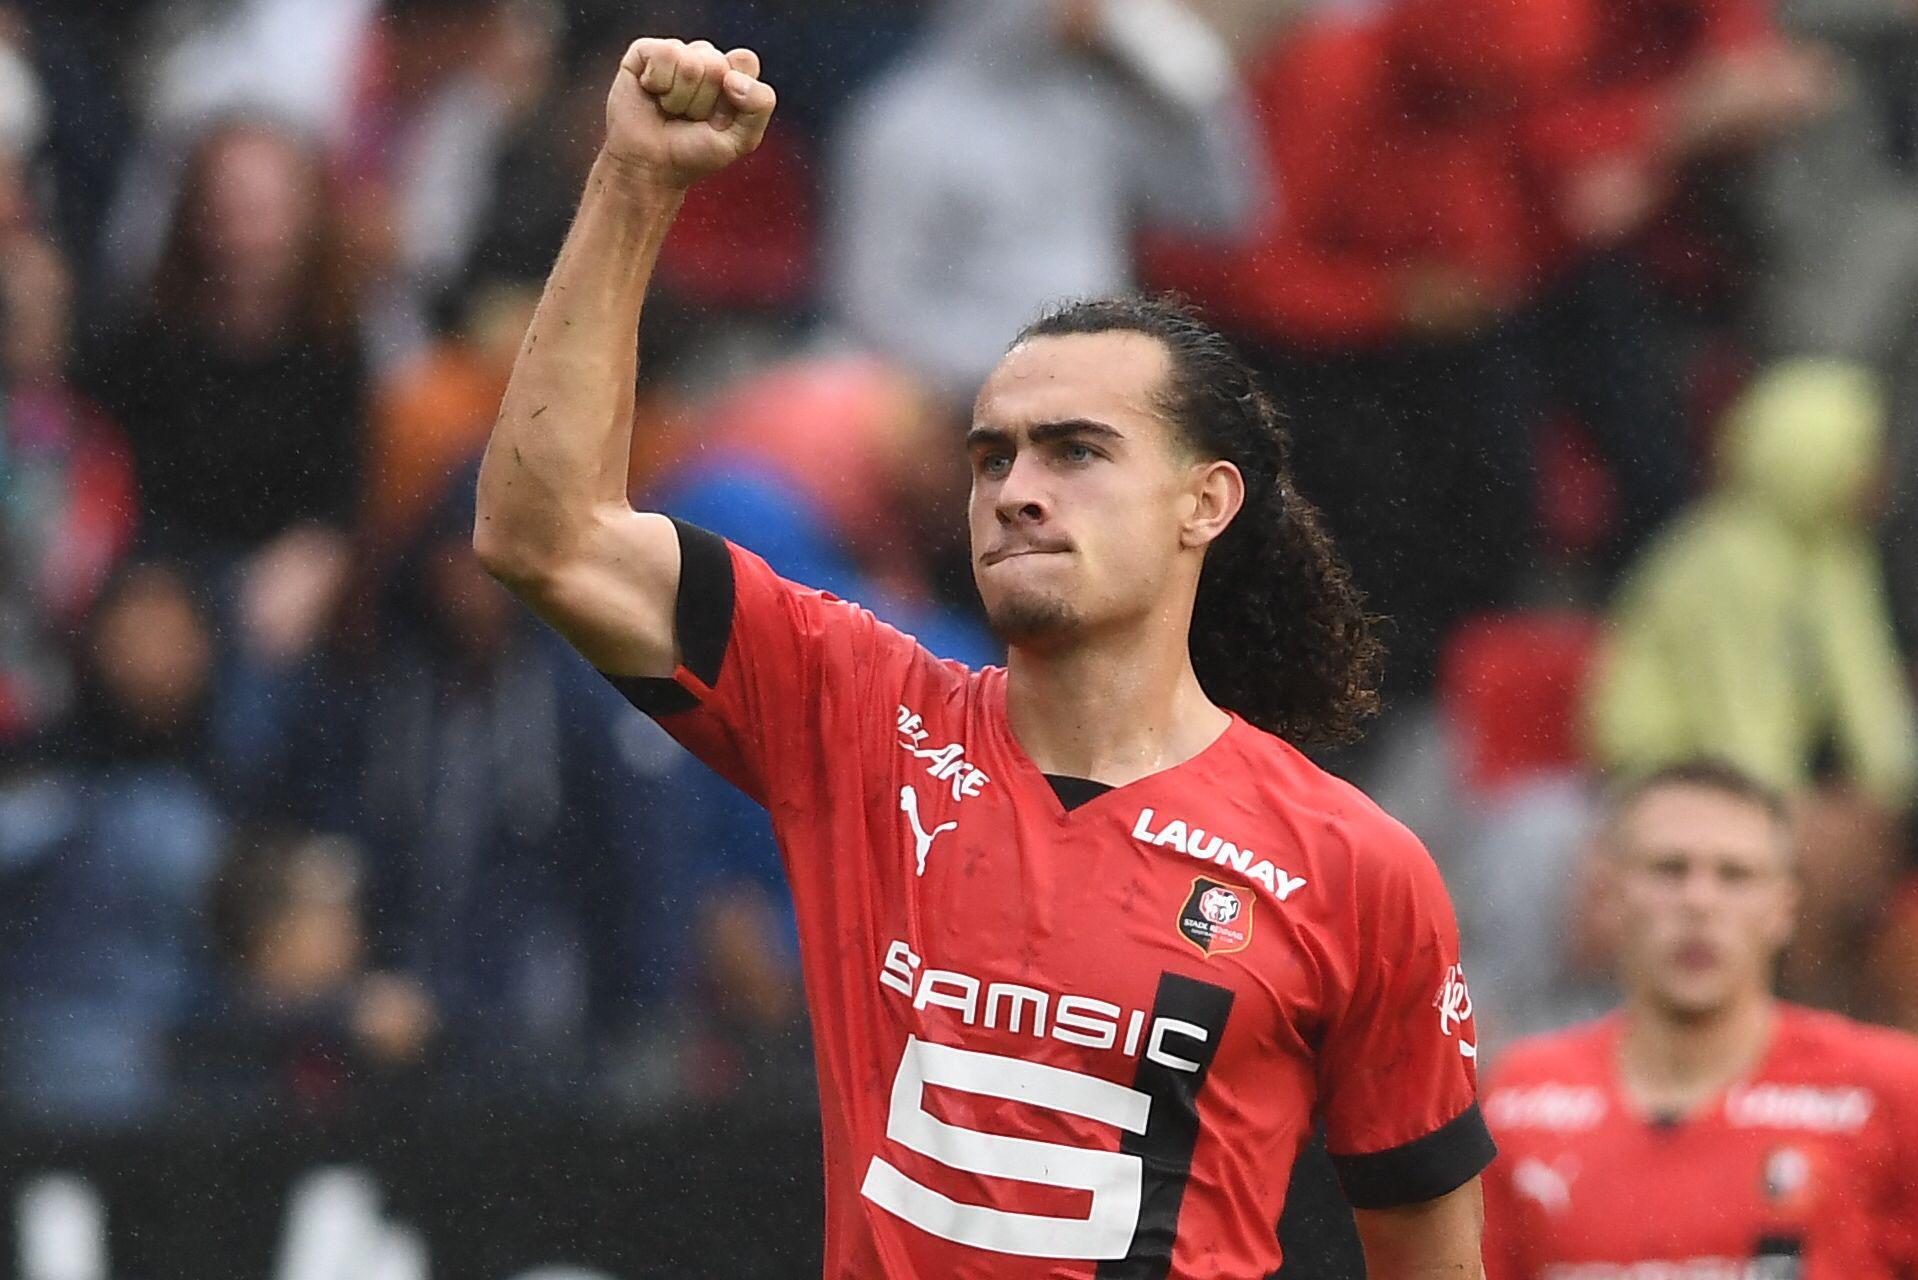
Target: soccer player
<point>1705,1131</point>
<point>1087,945</point>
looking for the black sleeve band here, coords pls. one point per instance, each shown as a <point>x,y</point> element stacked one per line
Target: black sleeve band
<point>702,623</point>
<point>1423,1169</point>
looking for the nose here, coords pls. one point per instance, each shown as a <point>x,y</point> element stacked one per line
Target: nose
<point>1020,499</point>
<point>1699,891</point>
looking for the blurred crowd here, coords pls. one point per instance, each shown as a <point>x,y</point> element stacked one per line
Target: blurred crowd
<point>1591,319</point>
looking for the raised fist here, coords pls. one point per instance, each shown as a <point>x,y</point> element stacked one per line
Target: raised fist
<point>679,111</point>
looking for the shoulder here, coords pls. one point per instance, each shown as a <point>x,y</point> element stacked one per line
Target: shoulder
<point>1579,1052</point>
<point>1553,1082</point>
<point>1883,1056</point>
<point>1341,829</point>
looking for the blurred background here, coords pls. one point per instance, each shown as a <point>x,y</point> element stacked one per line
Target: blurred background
<point>340,903</point>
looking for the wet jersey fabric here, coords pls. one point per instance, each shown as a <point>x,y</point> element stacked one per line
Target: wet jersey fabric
<point>1806,1170</point>
<point>1081,1042</point>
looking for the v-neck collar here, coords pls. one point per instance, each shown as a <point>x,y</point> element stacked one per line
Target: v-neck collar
<point>1074,791</point>
<point>1714,1103</point>
<point>1033,779</point>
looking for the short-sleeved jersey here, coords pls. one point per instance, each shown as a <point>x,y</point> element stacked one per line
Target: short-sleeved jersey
<point>1071,1042</point>
<point>1806,1170</point>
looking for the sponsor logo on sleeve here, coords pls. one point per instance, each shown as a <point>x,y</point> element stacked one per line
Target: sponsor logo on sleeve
<point>1454,1003</point>
<point>947,763</point>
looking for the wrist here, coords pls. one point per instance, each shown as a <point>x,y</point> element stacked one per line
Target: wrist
<point>638,182</point>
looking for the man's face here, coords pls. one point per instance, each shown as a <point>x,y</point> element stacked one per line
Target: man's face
<point>1705,897</point>
<point>1083,499</point>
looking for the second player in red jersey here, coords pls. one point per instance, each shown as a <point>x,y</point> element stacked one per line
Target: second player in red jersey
<point>1088,946</point>
<point>1706,1131</point>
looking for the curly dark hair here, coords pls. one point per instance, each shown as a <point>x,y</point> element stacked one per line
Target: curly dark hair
<point>1279,632</point>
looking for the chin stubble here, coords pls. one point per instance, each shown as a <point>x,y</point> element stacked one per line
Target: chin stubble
<point>1024,619</point>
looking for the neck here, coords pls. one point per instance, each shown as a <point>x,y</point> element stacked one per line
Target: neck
<point>1112,709</point>
<point>1672,1064</point>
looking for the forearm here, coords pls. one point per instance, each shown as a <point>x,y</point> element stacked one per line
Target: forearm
<point>560,447</point>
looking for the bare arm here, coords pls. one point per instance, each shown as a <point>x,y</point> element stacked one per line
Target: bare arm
<point>554,522</point>
<point>1436,1240</point>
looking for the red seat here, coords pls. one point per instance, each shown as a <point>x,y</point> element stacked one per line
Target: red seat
<point>1577,497</point>
<point>1510,685</point>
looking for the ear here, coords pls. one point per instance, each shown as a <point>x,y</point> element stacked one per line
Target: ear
<point>1217,493</point>
<point>1598,907</point>
<point>1784,922</point>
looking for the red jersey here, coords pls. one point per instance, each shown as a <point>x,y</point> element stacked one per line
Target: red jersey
<point>1070,1042</point>
<point>1808,1170</point>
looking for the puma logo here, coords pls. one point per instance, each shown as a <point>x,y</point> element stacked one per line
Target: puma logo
<point>909,805</point>
<point>1549,1184</point>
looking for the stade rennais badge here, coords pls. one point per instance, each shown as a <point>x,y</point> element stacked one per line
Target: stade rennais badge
<point>1216,918</point>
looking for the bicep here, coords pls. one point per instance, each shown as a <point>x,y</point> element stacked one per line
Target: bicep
<point>1432,1240</point>
<point>614,598</point>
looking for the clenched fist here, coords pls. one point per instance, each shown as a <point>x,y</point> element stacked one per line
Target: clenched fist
<point>680,111</point>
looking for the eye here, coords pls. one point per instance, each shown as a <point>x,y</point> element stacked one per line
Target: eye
<point>1075,452</point>
<point>994,464</point>
<point>1669,868</point>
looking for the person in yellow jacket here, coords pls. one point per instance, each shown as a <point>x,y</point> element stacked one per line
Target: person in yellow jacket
<point>1756,630</point>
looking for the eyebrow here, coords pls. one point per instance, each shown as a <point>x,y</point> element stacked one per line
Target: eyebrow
<point>1044,432</point>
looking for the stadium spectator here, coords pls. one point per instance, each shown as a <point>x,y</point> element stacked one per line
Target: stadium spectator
<point>299,60</point>
<point>1640,156</point>
<point>1062,126</point>
<point>294,1015</point>
<point>1836,197</point>
<point>1706,1127</point>
<point>67,506</point>
<point>109,845</point>
<point>1383,289</point>
<point>77,58</point>
<point>830,462</point>
<point>443,86</point>
<point>239,382</point>
<point>1660,86</point>
<point>1756,630</point>
<point>521,825</point>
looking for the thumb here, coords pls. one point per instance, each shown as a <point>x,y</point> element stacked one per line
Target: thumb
<point>752,102</point>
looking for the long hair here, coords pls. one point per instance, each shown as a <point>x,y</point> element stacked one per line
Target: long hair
<point>328,285</point>
<point>1279,632</point>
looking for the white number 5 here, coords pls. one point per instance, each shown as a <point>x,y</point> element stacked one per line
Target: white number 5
<point>1114,1178</point>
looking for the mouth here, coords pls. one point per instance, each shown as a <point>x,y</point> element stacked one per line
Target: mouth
<point>1000,554</point>
<point>1695,956</point>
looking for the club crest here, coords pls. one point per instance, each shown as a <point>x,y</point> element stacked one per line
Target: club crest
<point>1216,917</point>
